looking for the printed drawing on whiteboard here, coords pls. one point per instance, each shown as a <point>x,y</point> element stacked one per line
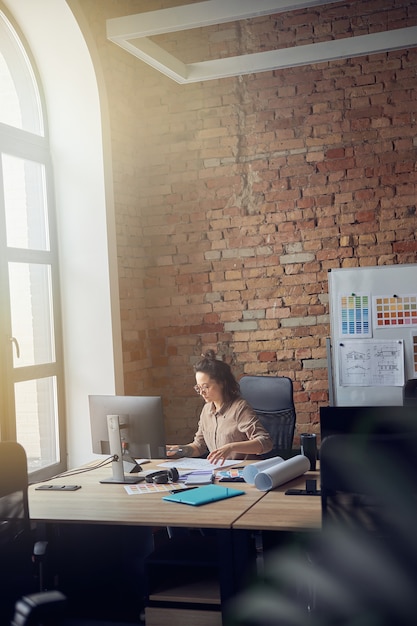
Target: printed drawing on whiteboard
<point>371,363</point>
<point>355,315</point>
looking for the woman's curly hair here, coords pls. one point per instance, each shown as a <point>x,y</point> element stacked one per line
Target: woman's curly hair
<point>220,372</point>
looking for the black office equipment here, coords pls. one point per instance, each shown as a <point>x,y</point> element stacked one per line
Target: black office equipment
<point>368,483</point>
<point>310,490</point>
<point>162,477</point>
<point>410,393</point>
<point>367,420</point>
<point>272,399</point>
<point>308,443</point>
<point>368,547</point>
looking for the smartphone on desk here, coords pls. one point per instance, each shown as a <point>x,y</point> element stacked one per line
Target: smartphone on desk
<point>57,487</point>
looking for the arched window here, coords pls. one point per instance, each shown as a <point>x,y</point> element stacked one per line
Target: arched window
<point>31,371</point>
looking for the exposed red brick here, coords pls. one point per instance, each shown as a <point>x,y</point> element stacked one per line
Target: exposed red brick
<point>221,187</point>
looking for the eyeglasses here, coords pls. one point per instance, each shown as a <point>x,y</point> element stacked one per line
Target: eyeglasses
<point>201,388</point>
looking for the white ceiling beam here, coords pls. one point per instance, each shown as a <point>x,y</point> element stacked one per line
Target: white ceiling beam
<point>131,33</point>
<point>182,73</point>
<point>302,55</point>
<point>197,15</point>
<point>158,58</point>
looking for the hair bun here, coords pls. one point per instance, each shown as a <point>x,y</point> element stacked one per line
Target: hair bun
<point>209,354</point>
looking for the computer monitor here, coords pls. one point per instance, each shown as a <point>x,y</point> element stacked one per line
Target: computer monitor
<point>130,425</point>
<point>367,420</point>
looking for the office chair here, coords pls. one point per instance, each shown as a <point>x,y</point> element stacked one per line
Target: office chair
<point>272,399</point>
<point>50,608</point>
<point>21,557</point>
<point>46,608</point>
<point>23,595</point>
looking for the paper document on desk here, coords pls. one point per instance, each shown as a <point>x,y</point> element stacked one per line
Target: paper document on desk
<point>196,464</point>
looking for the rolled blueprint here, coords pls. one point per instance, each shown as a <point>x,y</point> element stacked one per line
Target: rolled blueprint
<point>250,471</point>
<point>281,473</point>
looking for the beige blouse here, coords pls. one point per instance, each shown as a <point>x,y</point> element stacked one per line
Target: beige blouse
<point>236,421</point>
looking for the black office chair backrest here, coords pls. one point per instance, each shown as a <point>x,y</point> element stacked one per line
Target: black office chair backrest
<point>369,483</point>
<point>14,509</point>
<point>46,608</point>
<point>16,539</point>
<point>272,399</point>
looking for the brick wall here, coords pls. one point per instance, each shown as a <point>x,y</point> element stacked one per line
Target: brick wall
<point>235,197</point>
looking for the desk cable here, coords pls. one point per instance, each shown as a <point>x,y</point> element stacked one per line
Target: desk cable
<point>81,470</point>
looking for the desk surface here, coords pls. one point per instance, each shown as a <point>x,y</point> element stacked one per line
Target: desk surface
<point>276,511</point>
<point>111,504</point>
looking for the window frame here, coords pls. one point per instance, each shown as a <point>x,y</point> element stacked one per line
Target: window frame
<point>31,146</point>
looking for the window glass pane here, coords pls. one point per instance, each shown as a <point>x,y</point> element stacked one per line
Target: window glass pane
<point>31,379</point>
<point>9,103</point>
<point>25,203</point>
<point>36,421</point>
<point>20,104</point>
<point>31,313</point>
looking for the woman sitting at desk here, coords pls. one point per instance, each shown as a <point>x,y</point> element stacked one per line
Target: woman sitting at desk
<point>228,427</point>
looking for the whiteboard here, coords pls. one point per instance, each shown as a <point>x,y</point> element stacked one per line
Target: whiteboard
<point>373,324</point>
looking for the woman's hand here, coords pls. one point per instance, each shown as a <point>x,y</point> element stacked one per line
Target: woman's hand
<point>177,452</point>
<point>174,451</point>
<point>220,455</point>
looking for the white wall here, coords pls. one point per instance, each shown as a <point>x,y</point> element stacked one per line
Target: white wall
<point>84,199</point>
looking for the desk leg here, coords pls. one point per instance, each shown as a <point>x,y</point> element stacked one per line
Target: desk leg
<point>226,564</point>
<point>236,557</point>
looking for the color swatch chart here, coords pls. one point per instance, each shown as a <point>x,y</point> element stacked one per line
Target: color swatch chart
<point>355,316</point>
<point>415,353</point>
<point>395,311</point>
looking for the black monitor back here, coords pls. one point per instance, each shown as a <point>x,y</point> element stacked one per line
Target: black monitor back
<point>367,420</point>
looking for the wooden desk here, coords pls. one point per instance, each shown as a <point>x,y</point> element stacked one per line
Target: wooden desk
<point>276,511</point>
<point>98,503</point>
<point>110,504</point>
<point>232,519</point>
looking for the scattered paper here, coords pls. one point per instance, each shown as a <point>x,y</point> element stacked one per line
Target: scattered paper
<point>199,478</point>
<point>196,464</point>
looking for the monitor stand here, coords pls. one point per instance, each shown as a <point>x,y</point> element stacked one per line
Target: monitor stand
<point>115,441</point>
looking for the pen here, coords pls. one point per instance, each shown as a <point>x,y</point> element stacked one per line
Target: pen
<point>177,451</point>
<point>184,489</point>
